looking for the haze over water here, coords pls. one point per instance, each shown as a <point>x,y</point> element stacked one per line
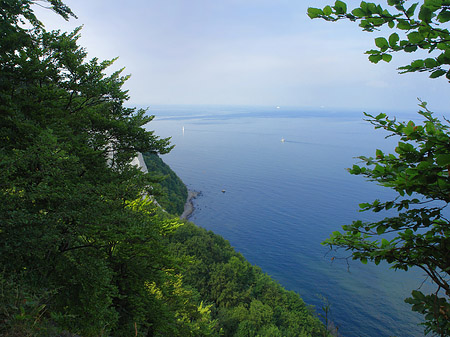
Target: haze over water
<point>282,199</point>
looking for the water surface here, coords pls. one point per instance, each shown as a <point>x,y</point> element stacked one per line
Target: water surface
<point>282,199</point>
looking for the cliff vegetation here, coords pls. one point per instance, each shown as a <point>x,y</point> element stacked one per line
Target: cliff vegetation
<point>83,250</point>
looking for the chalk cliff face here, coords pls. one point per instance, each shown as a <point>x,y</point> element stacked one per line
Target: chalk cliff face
<point>139,161</point>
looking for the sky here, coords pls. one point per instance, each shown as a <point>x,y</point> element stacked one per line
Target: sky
<point>245,52</point>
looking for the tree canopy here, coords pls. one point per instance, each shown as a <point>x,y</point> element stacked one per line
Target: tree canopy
<point>84,249</point>
<point>80,245</point>
<point>170,191</point>
<point>244,300</point>
<point>419,169</point>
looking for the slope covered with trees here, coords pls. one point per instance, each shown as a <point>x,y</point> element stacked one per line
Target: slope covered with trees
<point>170,191</point>
<point>244,300</point>
<point>82,249</point>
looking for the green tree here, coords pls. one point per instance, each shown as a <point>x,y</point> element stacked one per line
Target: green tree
<point>419,170</point>
<point>245,301</point>
<point>170,191</point>
<point>77,237</point>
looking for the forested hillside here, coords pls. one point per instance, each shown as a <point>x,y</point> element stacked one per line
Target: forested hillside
<point>83,251</point>
<point>242,299</point>
<point>170,192</point>
<point>245,301</point>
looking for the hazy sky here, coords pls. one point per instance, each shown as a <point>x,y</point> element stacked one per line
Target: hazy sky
<point>244,52</point>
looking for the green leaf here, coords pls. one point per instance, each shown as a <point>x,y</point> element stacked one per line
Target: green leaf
<point>411,10</point>
<point>391,24</point>
<point>443,46</point>
<point>377,21</point>
<point>443,159</point>
<point>410,48</point>
<point>381,229</point>
<point>444,16</point>
<point>340,7</point>
<point>387,57</point>
<point>314,12</point>
<point>430,63</point>
<point>371,8</point>
<point>327,10</point>
<point>418,295</point>
<point>358,12</point>
<point>363,260</point>
<point>393,39</point>
<point>403,25</point>
<point>409,232</point>
<point>355,169</point>
<point>375,58</point>
<point>382,43</point>
<point>379,154</point>
<point>364,205</point>
<point>444,57</point>
<point>415,37</point>
<point>425,14</point>
<point>437,73</point>
<point>379,170</point>
<point>423,165</point>
<point>417,64</point>
<point>430,127</point>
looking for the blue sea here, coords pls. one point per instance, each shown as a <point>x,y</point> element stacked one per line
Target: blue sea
<point>275,202</point>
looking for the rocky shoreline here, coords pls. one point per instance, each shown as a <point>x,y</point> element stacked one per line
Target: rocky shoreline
<point>189,205</point>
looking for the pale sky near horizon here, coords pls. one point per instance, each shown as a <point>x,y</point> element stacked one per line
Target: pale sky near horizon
<point>245,52</point>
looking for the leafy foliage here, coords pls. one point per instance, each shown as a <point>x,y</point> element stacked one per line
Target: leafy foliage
<point>245,301</point>
<point>83,248</point>
<point>418,26</point>
<point>74,223</point>
<point>170,191</point>
<point>419,170</point>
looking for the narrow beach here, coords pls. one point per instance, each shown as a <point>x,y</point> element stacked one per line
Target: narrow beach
<point>189,205</point>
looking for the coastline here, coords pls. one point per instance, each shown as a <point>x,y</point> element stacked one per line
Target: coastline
<point>189,205</point>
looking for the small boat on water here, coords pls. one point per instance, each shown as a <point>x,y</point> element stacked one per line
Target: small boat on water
<point>283,140</point>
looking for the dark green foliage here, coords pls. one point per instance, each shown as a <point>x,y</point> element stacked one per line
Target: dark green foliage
<point>246,302</point>
<point>75,232</point>
<point>83,251</point>
<point>22,309</point>
<point>417,27</point>
<point>170,191</point>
